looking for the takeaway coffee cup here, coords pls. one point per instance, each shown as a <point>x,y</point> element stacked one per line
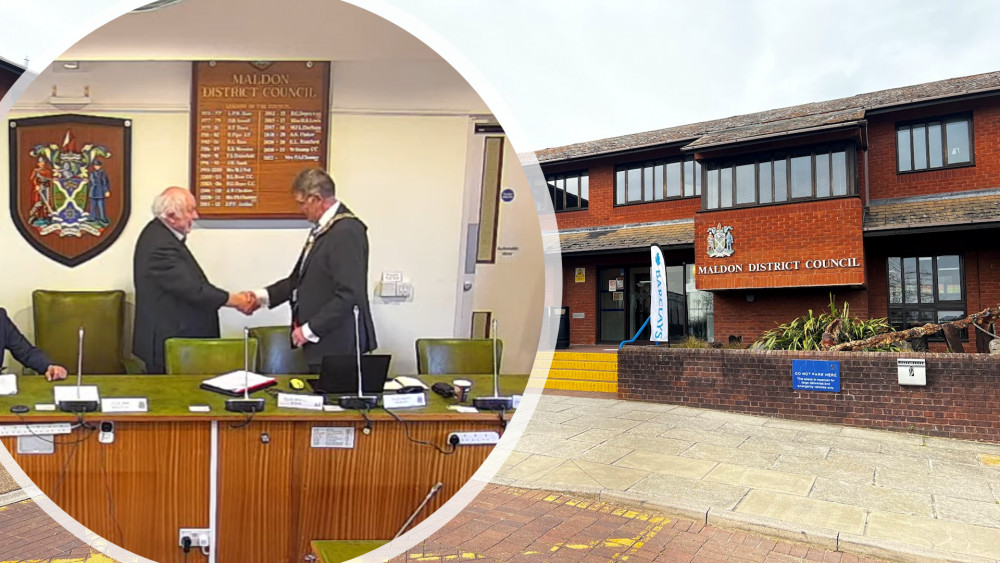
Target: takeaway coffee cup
<point>462,387</point>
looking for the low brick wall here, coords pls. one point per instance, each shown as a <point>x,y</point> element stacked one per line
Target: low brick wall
<point>961,399</point>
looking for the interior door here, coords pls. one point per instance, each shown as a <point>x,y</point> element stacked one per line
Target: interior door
<point>502,275</point>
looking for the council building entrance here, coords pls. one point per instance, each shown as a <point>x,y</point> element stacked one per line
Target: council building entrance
<point>623,302</point>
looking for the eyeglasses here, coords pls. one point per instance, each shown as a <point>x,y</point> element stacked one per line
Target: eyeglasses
<point>302,201</point>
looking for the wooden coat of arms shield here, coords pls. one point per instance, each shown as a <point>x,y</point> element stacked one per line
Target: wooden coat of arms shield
<point>70,189</point>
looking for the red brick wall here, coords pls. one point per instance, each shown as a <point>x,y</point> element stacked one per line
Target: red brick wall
<point>580,298</point>
<point>734,315</point>
<point>779,233</point>
<point>961,398</point>
<point>989,278</point>
<point>601,207</point>
<point>886,183</point>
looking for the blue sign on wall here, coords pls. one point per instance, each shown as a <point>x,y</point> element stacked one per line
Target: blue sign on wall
<point>507,195</point>
<point>815,375</point>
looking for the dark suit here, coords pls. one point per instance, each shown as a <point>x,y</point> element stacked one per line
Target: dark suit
<point>22,350</point>
<point>173,298</point>
<point>334,279</point>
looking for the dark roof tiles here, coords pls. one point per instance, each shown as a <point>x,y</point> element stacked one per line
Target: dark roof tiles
<point>776,121</point>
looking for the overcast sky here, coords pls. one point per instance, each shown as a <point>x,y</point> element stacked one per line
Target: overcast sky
<point>579,70</point>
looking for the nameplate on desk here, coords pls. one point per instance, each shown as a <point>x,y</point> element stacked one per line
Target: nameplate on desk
<point>45,407</point>
<point>461,409</point>
<point>296,401</point>
<point>516,401</point>
<point>404,400</point>
<point>35,429</point>
<point>333,437</point>
<point>124,404</point>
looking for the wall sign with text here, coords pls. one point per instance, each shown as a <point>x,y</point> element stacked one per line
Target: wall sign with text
<point>816,375</point>
<point>254,126</point>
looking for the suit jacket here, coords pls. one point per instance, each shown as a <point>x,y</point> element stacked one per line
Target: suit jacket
<point>334,279</point>
<point>173,297</point>
<point>22,350</point>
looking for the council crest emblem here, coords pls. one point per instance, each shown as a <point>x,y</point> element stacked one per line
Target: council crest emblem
<point>720,241</point>
<point>70,192</point>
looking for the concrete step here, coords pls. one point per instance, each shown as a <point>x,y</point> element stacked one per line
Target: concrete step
<point>575,385</point>
<point>584,365</point>
<point>586,356</point>
<point>583,371</point>
<point>584,375</point>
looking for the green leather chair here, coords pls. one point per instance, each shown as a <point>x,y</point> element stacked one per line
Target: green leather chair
<point>453,356</point>
<point>277,357</point>
<point>207,356</point>
<point>58,316</point>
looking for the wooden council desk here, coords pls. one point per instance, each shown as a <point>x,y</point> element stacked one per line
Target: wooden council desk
<point>273,492</point>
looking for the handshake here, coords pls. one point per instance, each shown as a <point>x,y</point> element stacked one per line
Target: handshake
<point>245,302</point>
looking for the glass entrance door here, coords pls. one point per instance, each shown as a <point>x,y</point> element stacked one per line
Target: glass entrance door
<point>611,305</point>
<point>639,300</point>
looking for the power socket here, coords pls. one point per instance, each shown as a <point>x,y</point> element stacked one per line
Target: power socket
<point>200,537</point>
<point>473,438</point>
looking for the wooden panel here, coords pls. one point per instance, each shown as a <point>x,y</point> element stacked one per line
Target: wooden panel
<point>254,126</point>
<point>136,492</point>
<point>370,493</point>
<point>363,493</point>
<point>255,487</point>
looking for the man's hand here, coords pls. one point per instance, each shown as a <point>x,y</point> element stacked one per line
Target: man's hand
<point>55,373</point>
<point>245,302</point>
<point>298,338</point>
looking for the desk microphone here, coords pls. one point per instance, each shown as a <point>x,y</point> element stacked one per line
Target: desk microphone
<point>496,402</point>
<point>246,404</point>
<point>359,401</point>
<point>78,403</point>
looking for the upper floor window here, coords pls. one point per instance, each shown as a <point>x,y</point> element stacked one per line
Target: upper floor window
<point>657,180</point>
<point>937,143</point>
<point>820,172</point>
<point>569,192</point>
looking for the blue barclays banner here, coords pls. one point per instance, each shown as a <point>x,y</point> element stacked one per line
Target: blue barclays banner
<point>815,375</point>
<point>658,330</point>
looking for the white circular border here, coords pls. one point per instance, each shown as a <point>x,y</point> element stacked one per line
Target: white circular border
<point>552,288</point>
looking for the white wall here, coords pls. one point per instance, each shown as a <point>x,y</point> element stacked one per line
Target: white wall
<point>399,163</point>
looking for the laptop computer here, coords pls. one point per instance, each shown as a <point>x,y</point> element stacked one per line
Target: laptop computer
<point>339,375</point>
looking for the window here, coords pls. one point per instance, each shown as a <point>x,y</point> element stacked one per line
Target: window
<point>569,192</point>
<point>657,181</point>
<point>925,289</point>
<point>940,143</point>
<point>821,172</point>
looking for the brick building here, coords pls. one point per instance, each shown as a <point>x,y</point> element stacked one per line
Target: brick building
<point>9,73</point>
<point>889,200</point>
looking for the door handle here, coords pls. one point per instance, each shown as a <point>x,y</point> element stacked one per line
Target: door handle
<point>467,286</point>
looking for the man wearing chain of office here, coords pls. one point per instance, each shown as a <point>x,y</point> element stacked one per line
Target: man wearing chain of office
<point>330,277</point>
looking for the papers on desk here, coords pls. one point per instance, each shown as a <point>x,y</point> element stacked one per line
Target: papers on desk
<point>69,393</point>
<point>8,384</point>
<point>462,409</point>
<point>403,382</point>
<point>233,383</point>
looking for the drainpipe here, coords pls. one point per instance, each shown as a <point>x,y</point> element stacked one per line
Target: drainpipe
<point>867,195</point>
